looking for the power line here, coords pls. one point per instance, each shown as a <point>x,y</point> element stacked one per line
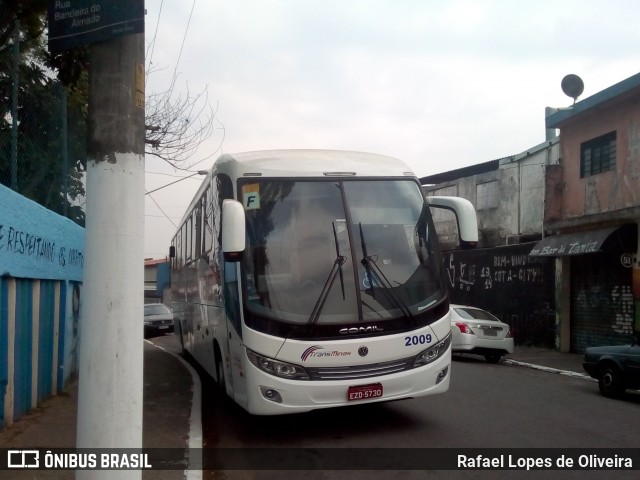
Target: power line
<point>199,172</point>
<point>164,174</point>
<point>160,216</point>
<point>164,213</point>
<point>184,37</point>
<point>153,42</point>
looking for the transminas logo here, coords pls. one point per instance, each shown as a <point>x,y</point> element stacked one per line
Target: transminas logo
<point>319,351</point>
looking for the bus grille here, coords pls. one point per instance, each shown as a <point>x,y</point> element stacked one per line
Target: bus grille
<point>360,371</point>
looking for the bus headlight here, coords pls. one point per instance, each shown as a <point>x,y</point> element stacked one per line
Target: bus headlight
<point>278,368</point>
<point>433,352</point>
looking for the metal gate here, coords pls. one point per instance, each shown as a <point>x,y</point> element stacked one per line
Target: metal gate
<point>602,306</point>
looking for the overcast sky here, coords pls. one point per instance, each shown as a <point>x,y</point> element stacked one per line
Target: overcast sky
<point>438,84</point>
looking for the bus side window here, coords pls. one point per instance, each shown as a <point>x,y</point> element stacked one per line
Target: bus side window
<point>195,239</point>
<point>179,252</point>
<point>207,221</point>
<point>187,240</point>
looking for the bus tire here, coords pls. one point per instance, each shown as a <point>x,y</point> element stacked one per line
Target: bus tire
<point>220,381</point>
<point>220,374</point>
<point>180,337</point>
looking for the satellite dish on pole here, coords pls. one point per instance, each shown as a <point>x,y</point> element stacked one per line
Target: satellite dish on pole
<point>572,86</point>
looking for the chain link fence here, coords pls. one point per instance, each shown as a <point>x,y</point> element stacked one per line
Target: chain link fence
<point>43,129</point>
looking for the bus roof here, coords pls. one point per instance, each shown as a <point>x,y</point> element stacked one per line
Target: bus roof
<point>303,163</point>
<point>311,163</point>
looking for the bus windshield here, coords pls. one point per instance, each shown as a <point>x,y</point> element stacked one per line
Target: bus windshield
<point>322,255</point>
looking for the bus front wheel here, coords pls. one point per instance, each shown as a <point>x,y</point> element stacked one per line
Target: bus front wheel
<point>220,371</point>
<point>179,333</point>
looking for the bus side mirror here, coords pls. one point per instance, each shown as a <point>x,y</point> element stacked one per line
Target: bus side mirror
<point>465,216</point>
<point>233,230</point>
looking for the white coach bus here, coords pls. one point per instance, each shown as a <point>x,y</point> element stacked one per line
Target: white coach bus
<point>305,279</point>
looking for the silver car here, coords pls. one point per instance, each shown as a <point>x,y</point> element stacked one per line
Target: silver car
<point>158,319</point>
<point>479,332</point>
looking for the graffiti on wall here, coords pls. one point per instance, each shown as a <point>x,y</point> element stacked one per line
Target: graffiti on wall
<point>18,242</point>
<point>36,242</point>
<point>622,300</point>
<point>502,269</point>
<point>517,288</point>
<point>602,301</point>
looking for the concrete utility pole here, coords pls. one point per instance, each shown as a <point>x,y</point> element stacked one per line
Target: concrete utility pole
<point>111,330</point>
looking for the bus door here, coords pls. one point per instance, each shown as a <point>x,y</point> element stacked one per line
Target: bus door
<point>234,371</point>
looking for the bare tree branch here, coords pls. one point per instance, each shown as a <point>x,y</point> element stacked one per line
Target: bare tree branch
<point>177,126</point>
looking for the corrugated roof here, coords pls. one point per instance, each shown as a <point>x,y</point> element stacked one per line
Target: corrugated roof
<point>151,261</point>
<point>469,171</point>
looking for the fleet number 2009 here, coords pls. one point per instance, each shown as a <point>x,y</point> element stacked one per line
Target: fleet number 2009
<point>417,340</point>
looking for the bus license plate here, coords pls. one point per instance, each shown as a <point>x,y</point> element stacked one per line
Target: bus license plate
<point>364,392</point>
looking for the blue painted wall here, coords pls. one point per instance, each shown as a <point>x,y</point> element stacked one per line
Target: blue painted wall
<point>41,269</point>
<point>4,347</point>
<point>37,243</point>
<point>163,278</point>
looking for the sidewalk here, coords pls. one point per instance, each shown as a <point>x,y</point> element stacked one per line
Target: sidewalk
<point>172,406</point>
<point>168,395</point>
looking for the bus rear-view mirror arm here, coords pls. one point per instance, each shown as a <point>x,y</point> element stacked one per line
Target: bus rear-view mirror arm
<point>233,230</point>
<point>466,217</point>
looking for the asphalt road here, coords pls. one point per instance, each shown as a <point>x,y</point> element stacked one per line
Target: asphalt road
<point>487,406</point>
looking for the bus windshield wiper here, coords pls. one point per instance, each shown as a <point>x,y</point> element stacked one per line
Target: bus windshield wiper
<point>336,268</point>
<point>374,272</point>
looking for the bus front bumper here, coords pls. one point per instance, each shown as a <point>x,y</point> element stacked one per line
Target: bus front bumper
<point>277,396</point>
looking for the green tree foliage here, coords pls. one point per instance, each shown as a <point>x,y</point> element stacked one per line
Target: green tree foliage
<point>41,175</point>
<point>176,125</point>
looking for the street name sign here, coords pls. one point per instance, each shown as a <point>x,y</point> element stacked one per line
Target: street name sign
<point>73,23</point>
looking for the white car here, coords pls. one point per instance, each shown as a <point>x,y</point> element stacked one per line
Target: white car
<point>477,331</point>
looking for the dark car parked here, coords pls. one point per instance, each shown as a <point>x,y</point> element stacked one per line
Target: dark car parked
<point>158,319</point>
<point>616,368</point>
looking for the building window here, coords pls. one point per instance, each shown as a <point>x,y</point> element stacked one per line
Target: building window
<point>487,195</point>
<point>598,155</point>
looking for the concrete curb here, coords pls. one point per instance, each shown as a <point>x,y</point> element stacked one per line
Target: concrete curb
<point>195,419</point>
<point>557,371</point>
